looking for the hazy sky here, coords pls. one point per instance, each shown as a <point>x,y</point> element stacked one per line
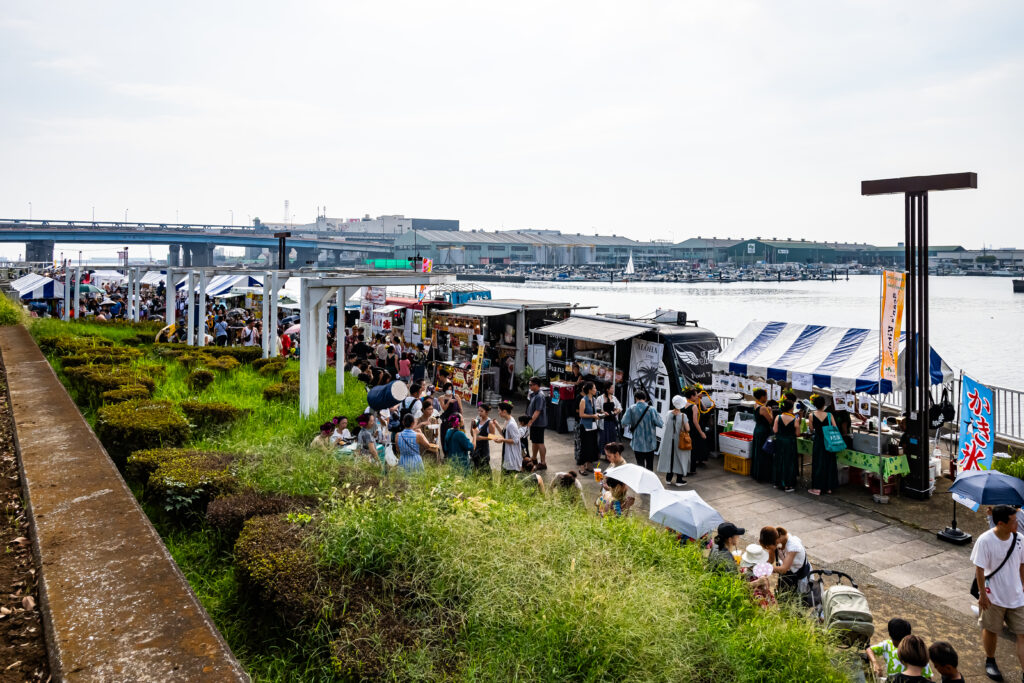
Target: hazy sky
<point>654,120</point>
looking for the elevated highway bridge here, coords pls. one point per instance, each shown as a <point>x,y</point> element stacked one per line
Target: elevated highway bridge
<point>189,244</point>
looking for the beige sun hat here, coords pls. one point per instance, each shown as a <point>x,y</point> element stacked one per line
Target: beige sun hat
<point>753,555</point>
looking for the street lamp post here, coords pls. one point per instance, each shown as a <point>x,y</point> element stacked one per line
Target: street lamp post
<point>917,357</point>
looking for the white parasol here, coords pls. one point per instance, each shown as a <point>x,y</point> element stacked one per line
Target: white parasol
<point>640,479</point>
<point>685,512</point>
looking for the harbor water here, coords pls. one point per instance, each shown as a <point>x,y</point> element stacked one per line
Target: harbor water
<point>976,322</point>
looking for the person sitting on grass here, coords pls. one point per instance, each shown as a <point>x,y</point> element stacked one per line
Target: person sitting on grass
<point>341,435</point>
<point>323,439</point>
<point>884,656</point>
<point>567,484</point>
<point>945,660</point>
<point>913,653</point>
<point>614,499</point>
<point>726,548</point>
<point>613,454</point>
<point>366,443</point>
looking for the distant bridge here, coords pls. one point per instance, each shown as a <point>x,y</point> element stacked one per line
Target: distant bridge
<point>194,242</point>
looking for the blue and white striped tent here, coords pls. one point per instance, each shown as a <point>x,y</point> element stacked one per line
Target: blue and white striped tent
<point>34,286</point>
<point>840,358</point>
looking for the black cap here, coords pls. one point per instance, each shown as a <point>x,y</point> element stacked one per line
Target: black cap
<point>728,530</point>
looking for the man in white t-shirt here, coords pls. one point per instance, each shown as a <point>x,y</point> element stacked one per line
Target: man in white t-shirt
<point>998,554</point>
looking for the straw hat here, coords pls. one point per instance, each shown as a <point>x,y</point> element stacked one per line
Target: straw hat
<point>753,555</point>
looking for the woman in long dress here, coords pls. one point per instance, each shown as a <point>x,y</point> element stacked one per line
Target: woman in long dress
<point>786,429</point>
<point>587,453</point>
<point>673,460</point>
<point>699,449</point>
<point>608,426</point>
<point>824,466</point>
<point>761,462</point>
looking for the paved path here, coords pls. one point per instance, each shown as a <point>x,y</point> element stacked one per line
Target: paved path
<point>904,571</point>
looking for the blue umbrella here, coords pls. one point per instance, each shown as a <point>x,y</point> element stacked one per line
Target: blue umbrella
<point>989,488</point>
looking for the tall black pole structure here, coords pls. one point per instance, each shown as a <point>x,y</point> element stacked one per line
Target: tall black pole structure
<point>917,357</point>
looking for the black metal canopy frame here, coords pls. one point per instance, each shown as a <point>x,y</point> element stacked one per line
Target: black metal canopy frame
<point>917,360</point>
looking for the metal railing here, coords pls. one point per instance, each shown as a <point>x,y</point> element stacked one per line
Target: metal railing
<point>1007,413</point>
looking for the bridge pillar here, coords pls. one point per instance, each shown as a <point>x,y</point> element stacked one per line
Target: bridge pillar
<point>202,254</point>
<point>174,255</point>
<point>39,250</point>
<point>303,255</point>
<point>186,255</point>
<point>253,253</point>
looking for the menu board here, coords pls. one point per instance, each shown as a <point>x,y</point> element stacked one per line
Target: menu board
<point>462,383</point>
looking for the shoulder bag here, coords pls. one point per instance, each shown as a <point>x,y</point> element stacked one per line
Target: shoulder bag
<point>685,442</point>
<point>974,584</point>
<point>833,438</point>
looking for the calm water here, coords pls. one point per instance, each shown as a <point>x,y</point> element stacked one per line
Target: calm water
<point>976,322</point>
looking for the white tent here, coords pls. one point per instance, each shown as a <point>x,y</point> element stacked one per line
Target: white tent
<point>98,277</point>
<point>35,286</point>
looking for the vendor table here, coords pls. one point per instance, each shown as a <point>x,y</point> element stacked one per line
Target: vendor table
<point>891,464</point>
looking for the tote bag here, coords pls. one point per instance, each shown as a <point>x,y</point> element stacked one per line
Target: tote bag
<point>685,443</point>
<point>833,438</point>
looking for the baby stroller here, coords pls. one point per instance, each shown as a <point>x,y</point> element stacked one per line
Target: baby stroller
<point>842,609</point>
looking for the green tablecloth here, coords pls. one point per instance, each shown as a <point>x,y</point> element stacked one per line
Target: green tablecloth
<point>892,464</point>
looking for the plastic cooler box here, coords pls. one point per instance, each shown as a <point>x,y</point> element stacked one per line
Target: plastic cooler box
<point>738,442</point>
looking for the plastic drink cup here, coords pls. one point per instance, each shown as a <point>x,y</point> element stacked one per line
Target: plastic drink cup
<point>598,474</point>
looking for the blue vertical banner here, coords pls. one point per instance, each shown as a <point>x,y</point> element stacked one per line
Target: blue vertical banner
<point>977,441</point>
<point>976,426</point>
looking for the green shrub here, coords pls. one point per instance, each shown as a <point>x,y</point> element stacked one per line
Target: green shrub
<point>170,350</point>
<point>290,376</point>
<point>227,514</point>
<point>261,363</point>
<point>107,355</point>
<point>200,379</point>
<point>125,394</point>
<point>70,344</point>
<point>281,391</point>
<point>243,354</point>
<point>1011,466</point>
<point>138,425</point>
<point>205,416</point>
<point>182,480</point>
<point>185,485</point>
<point>224,364</point>
<point>272,559</point>
<point>89,382</point>
<point>11,311</point>
<point>192,359</point>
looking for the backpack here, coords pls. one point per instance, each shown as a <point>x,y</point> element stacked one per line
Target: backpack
<point>406,409</point>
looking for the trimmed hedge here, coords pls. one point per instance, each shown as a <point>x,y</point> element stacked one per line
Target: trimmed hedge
<point>192,359</point>
<point>90,382</point>
<point>224,364</point>
<point>106,355</point>
<point>261,363</point>
<point>182,480</point>
<point>281,391</point>
<point>290,376</point>
<point>228,513</point>
<point>200,379</point>
<point>67,344</point>
<point>125,394</point>
<point>138,425</point>
<point>272,559</point>
<point>208,415</point>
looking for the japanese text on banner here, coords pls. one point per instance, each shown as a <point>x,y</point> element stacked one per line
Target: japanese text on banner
<point>977,442</point>
<point>891,322</point>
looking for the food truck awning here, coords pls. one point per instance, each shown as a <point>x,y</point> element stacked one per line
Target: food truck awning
<point>840,358</point>
<point>476,311</point>
<point>390,308</point>
<point>593,329</point>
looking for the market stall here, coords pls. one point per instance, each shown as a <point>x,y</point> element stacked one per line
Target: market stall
<point>411,322</point>
<point>841,361</point>
<point>592,343</point>
<point>500,326</point>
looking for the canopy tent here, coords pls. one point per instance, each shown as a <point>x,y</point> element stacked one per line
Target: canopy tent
<point>476,310</point>
<point>390,308</point>
<point>840,358</point>
<point>29,278</point>
<point>98,277</point>
<point>35,286</point>
<point>593,329</point>
<point>153,278</point>
<point>219,285</point>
